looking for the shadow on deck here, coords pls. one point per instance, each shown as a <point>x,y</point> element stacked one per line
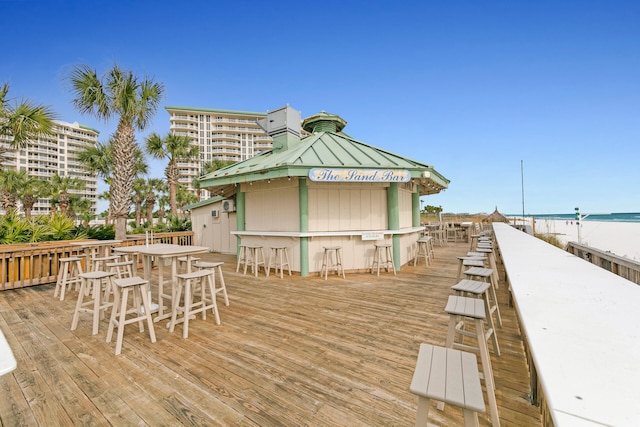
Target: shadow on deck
<point>293,351</point>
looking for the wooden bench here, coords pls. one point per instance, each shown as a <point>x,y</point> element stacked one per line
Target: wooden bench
<point>449,376</point>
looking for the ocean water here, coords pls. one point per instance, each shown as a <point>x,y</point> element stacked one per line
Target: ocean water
<point>612,217</point>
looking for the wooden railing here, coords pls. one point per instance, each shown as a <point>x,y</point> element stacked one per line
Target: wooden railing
<point>623,267</point>
<point>38,263</point>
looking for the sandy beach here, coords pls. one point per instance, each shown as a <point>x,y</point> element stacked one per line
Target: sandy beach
<point>620,238</point>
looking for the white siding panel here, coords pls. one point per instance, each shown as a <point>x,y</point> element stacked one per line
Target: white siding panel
<point>272,206</point>
<point>405,201</point>
<point>337,207</point>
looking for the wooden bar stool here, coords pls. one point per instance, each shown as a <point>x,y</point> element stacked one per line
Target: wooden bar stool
<point>480,289</point>
<point>99,263</point>
<point>92,284</point>
<point>213,266</point>
<point>486,274</point>
<point>281,257</point>
<point>469,261</point>
<point>122,287</point>
<point>190,307</point>
<point>183,261</point>
<point>461,308</point>
<point>492,263</point>
<point>424,251</point>
<point>388,258</point>
<point>68,274</point>
<point>449,376</point>
<point>332,259</point>
<point>253,256</point>
<point>122,269</point>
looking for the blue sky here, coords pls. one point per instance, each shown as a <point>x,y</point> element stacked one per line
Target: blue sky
<point>473,88</point>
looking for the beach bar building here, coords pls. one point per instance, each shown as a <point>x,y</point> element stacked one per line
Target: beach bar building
<point>319,187</point>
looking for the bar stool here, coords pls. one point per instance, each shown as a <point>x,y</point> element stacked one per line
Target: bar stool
<point>190,307</point>
<point>183,260</point>
<point>212,266</point>
<point>332,262</point>
<point>486,274</point>
<point>480,289</point>
<point>91,283</point>
<point>387,262</point>
<point>281,256</point>
<point>99,263</point>
<point>424,251</point>
<point>469,261</point>
<point>492,263</point>
<point>461,308</point>
<point>122,287</point>
<point>250,255</point>
<point>68,274</point>
<point>449,376</point>
<point>122,269</point>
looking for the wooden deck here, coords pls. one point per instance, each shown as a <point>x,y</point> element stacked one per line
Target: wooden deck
<point>293,351</point>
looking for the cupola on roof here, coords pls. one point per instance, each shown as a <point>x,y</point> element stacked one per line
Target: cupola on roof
<point>324,122</point>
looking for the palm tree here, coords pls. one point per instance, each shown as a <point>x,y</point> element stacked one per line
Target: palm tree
<point>25,120</point>
<point>162,202</point>
<point>80,207</point>
<point>98,159</point>
<point>9,187</point>
<point>153,185</point>
<point>174,148</point>
<point>60,187</point>
<point>134,101</point>
<point>184,197</point>
<point>30,190</point>
<point>105,195</point>
<point>137,197</point>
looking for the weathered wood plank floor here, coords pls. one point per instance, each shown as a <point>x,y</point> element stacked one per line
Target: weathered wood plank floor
<point>293,351</point>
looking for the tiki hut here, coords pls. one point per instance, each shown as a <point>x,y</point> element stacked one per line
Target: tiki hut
<point>495,217</point>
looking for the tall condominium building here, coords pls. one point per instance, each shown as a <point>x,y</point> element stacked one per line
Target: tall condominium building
<point>44,157</point>
<point>218,134</point>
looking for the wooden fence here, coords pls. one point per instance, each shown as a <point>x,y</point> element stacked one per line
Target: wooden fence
<point>623,267</point>
<point>38,263</point>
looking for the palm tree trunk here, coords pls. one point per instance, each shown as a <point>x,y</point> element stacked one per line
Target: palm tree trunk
<point>172,173</point>
<point>122,180</point>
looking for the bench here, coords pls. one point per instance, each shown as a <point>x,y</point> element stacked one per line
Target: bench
<point>449,376</point>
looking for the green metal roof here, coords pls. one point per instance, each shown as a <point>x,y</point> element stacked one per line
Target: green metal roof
<point>322,149</point>
<point>202,203</point>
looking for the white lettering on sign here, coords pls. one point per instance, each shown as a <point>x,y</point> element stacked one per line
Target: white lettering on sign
<point>358,175</point>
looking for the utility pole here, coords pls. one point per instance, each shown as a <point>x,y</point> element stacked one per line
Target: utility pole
<point>522,181</point>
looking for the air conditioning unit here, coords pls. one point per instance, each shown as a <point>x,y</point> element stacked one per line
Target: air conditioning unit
<point>214,213</point>
<point>228,206</point>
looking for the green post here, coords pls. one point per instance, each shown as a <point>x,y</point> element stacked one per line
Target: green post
<point>303,200</point>
<point>393,215</point>
<point>415,205</point>
<point>240,215</point>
